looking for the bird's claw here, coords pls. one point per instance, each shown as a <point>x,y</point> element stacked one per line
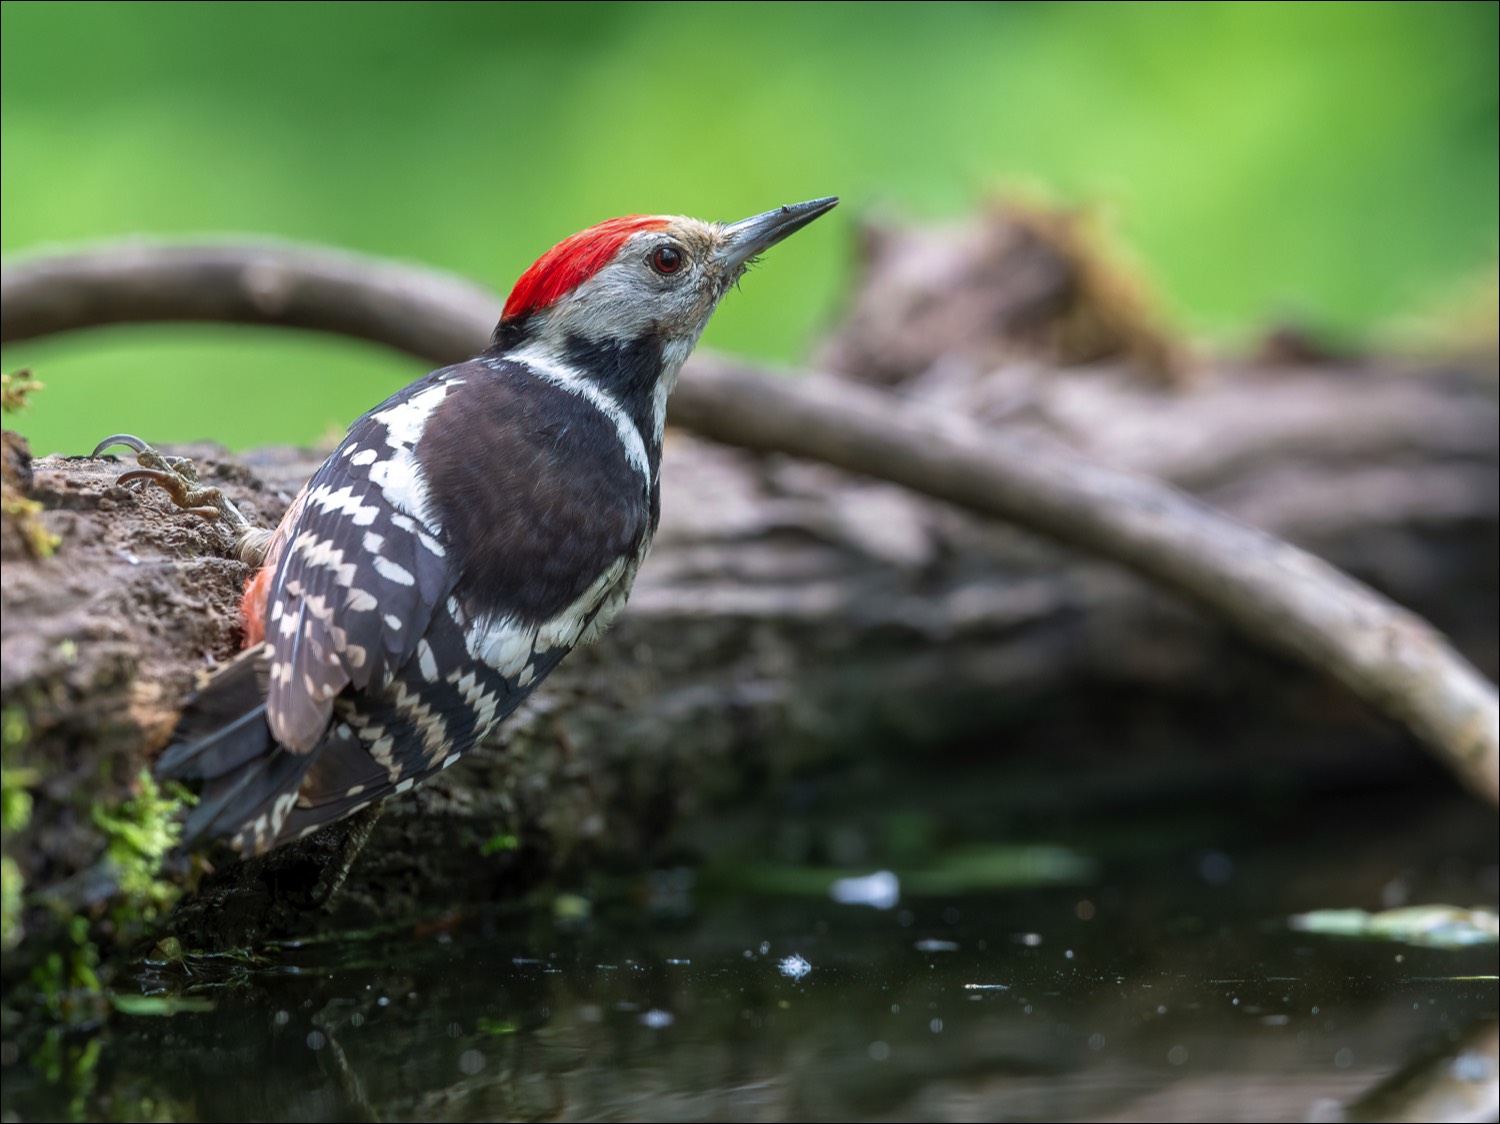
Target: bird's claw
<point>185,494</point>
<point>129,440</point>
<point>147,456</point>
<point>178,477</point>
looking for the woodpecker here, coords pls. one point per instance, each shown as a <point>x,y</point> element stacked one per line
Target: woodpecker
<point>466,534</point>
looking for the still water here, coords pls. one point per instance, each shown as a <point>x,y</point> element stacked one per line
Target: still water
<point>1140,981</point>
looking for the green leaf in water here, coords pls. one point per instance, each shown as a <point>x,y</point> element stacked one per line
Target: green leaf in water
<point>1430,926</point>
<point>159,1005</point>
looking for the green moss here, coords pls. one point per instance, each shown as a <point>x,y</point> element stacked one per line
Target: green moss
<point>25,514</point>
<point>15,800</point>
<point>67,980</point>
<point>499,844</point>
<point>71,1064</point>
<point>139,834</point>
<point>12,895</point>
<point>14,388</point>
<point>40,542</point>
<point>15,814</point>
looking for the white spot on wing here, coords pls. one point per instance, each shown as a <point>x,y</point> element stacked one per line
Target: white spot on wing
<point>456,611</point>
<point>380,751</point>
<point>427,661</point>
<point>360,601</point>
<point>405,420</point>
<point>400,477</point>
<point>392,572</point>
<point>322,553</point>
<point>342,501</point>
<point>401,481</point>
<point>281,809</point>
<point>478,699</point>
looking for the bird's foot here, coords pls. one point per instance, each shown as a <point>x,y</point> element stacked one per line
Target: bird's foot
<point>178,477</point>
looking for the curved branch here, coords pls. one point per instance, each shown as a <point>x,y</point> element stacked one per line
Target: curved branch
<point>1276,593</point>
<point>432,315</point>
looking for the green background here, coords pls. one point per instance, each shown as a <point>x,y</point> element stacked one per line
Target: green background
<point>1331,162</point>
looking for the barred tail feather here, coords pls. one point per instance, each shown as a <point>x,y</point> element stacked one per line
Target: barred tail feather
<point>344,779</point>
<point>305,820</point>
<point>250,782</point>
<point>249,804</point>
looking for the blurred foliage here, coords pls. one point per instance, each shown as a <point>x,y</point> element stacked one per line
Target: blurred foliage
<point>1334,163</point>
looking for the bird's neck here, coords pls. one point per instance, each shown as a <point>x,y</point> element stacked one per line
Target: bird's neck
<point>628,379</point>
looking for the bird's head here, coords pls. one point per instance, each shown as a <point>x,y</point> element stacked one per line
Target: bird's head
<point>639,280</point>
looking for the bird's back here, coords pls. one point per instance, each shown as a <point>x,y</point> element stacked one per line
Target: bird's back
<point>460,541</point>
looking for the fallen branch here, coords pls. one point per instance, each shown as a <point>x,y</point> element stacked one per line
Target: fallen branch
<point>1276,593</point>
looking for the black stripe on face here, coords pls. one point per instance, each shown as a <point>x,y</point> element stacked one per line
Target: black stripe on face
<point>628,372</point>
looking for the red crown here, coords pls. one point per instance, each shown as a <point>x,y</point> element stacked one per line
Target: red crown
<point>572,262</point>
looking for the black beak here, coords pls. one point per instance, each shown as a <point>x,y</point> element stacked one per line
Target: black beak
<point>749,237</point>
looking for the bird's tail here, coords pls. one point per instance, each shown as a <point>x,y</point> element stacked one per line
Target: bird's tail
<point>250,782</point>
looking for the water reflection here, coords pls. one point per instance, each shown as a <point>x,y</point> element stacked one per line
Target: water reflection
<point>1131,996</point>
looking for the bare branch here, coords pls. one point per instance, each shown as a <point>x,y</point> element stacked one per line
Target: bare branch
<point>434,316</point>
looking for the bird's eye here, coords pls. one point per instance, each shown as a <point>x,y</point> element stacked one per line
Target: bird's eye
<point>666,259</point>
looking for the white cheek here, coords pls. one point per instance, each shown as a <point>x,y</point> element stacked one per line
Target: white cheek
<point>674,355</point>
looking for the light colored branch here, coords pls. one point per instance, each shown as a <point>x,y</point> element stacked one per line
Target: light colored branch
<point>1274,592</point>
